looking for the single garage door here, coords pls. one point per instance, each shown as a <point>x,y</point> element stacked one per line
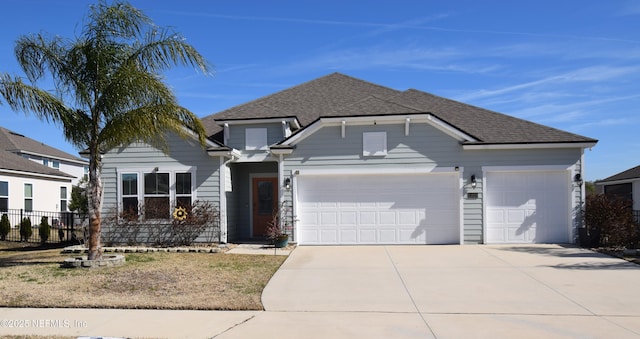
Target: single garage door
<point>379,209</point>
<point>527,207</point>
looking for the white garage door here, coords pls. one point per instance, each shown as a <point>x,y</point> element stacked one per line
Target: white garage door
<point>379,209</point>
<point>527,207</point>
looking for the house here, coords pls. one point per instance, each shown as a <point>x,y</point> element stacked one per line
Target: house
<point>28,186</point>
<point>625,185</point>
<point>48,156</point>
<point>357,163</point>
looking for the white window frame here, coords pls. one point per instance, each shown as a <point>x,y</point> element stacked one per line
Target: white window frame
<point>2,196</point>
<point>255,139</point>
<point>140,172</point>
<point>64,200</point>
<point>55,164</point>
<point>374,144</point>
<point>29,198</point>
<point>121,190</point>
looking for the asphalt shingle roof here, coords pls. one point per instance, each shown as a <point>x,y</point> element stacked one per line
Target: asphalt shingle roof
<point>337,95</point>
<point>632,173</point>
<point>13,162</point>
<point>15,142</point>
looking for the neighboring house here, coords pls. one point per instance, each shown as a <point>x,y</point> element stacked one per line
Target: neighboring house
<point>29,186</point>
<point>625,185</point>
<point>43,154</point>
<point>359,163</point>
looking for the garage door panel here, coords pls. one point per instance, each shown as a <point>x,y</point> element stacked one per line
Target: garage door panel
<point>349,218</point>
<point>380,209</point>
<point>527,207</point>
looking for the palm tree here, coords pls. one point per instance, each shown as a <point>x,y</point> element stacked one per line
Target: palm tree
<point>108,89</point>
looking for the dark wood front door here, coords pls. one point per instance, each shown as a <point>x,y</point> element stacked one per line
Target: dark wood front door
<point>265,202</point>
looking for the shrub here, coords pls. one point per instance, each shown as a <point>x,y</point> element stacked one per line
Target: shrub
<point>158,225</point>
<point>44,229</point>
<point>5,227</point>
<point>25,229</point>
<point>610,222</point>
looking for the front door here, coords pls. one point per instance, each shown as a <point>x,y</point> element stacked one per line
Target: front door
<point>265,202</point>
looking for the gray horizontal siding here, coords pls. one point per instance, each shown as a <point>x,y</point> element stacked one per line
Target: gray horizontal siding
<point>425,145</point>
<point>181,153</point>
<point>237,134</point>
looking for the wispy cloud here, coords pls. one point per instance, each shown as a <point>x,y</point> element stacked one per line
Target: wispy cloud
<point>417,25</point>
<point>603,123</point>
<point>593,74</point>
<point>389,57</point>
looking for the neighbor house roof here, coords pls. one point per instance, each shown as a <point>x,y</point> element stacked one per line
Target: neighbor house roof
<point>10,162</point>
<point>338,95</point>
<point>632,173</point>
<point>18,143</point>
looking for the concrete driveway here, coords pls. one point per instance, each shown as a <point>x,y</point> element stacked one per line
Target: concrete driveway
<point>528,291</point>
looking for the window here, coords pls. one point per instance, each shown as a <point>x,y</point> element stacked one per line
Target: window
<point>619,191</point>
<point>130,193</point>
<point>55,164</point>
<point>28,197</point>
<point>63,199</point>
<point>255,139</point>
<point>156,195</point>
<point>4,196</point>
<point>183,189</point>
<point>86,172</point>
<point>374,143</point>
<point>45,162</point>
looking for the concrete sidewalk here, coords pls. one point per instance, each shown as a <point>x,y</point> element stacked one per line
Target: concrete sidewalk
<point>528,291</point>
<point>119,323</point>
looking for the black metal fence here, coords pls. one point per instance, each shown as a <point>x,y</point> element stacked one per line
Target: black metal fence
<point>64,226</point>
<point>636,216</point>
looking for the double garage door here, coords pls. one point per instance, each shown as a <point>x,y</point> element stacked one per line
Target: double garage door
<point>379,209</point>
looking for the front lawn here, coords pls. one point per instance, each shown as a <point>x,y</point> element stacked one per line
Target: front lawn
<point>32,277</point>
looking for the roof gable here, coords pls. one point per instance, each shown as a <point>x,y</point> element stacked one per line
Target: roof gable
<point>307,101</point>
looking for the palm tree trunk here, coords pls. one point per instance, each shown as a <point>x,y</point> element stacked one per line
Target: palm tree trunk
<point>95,208</point>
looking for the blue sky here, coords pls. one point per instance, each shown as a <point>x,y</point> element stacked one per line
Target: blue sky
<point>572,65</point>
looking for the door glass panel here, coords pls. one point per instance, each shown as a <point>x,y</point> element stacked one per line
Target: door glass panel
<point>265,197</point>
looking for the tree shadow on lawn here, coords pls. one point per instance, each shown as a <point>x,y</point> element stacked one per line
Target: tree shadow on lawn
<point>31,254</point>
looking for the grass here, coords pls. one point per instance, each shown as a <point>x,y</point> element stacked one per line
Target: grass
<point>32,277</point>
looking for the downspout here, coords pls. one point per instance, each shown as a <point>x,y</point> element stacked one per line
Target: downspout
<point>224,234</point>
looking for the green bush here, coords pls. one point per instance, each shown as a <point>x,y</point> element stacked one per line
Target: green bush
<point>5,227</point>
<point>44,229</point>
<point>25,229</point>
<point>609,222</point>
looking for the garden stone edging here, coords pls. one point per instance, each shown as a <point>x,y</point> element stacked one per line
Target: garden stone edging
<point>125,249</point>
<point>111,260</point>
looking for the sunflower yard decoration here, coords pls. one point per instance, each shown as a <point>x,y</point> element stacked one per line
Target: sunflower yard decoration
<point>180,213</point>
